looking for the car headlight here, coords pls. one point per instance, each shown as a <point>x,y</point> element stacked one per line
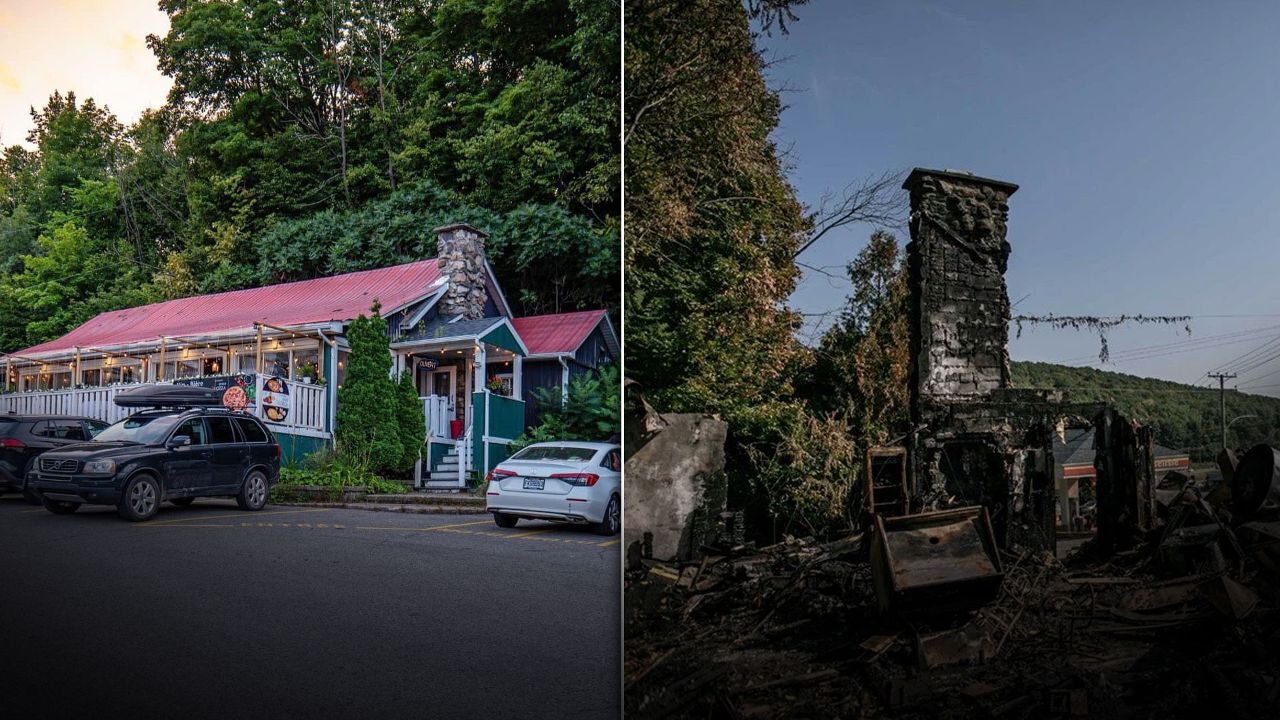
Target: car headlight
<point>100,467</point>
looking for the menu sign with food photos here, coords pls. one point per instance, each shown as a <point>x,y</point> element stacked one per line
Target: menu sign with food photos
<point>274,393</point>
<point>238,391</point>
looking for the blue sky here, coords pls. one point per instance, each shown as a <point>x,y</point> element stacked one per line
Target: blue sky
<point>1145,138</point>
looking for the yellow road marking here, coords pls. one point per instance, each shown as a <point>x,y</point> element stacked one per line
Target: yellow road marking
<point>531,532</point>
<point>34,510</point>
<point>610,542</point>
<point>228,517</point>
<point>433,527</point>
<point>228,525</point>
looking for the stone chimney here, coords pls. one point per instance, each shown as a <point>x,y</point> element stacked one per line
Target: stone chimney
<point>461,258</point>
<point>959,304</point>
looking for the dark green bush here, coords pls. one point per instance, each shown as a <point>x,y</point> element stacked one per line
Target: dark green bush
<point>368,432</point>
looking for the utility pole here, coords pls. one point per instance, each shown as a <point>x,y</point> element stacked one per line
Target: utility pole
<point>1222,379</point>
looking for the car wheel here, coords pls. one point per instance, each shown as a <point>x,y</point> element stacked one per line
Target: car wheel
<point>612,521</point>
<point>60,507</point>
<point>182,502</point>
<point>141,499</point>
<point>253,494</point>
<point>505,521</point>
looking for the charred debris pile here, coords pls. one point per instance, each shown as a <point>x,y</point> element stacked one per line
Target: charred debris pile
<point>1183,622</point>
<point>951,601</point>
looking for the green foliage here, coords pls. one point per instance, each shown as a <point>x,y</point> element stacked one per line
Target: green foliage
<point>527,248</point>
<point>808,472</point>
<point>316,137</point>
<point>1182,416</point>
<point>365,428</point>
<point>334,472</point>
<point>860,368</point>
<point>712,223</point>
<point>592,411</point>
<point>412,423</point>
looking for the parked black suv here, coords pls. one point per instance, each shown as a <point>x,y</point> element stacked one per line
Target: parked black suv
<point>176,454</point>
<point>23,438</point>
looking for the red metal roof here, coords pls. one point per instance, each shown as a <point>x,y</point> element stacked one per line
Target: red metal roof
<point>340,297</point>
<point>562,333</point>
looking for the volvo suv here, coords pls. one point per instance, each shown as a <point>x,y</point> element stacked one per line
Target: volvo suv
<point>170,454</point>
<point>23,438</point>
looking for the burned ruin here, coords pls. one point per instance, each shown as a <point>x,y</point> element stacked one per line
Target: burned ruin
<point>950,599</point>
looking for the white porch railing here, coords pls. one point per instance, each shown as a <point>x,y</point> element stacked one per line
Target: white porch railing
<point>307,409</point>
<point>464,457</point>
<point>308,406</point>
<point>436,411</point>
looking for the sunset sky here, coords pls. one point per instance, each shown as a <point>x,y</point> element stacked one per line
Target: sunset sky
<point>98,48</point>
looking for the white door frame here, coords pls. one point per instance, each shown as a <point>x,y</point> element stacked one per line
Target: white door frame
<point>453,382</point>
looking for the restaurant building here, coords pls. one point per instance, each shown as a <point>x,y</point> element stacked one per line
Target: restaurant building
<point>448,322</point>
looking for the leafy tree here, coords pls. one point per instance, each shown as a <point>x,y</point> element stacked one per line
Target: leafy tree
<point>365,427</point>
<point>412,423</point>
<point>309,138</point>
<point>860,369</point>
<point>712,223</point>
<point>590,412</point>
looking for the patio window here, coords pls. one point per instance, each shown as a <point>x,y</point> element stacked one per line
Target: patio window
<point>182,368</point>
<point>47,381</point>
<point>276,363</point>
<point>91,378</point>
<point>343,356</point>
<point>120,374</point>
<point>308,358</point>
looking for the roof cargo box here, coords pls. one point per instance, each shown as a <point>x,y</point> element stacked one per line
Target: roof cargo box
<point>169,396</point>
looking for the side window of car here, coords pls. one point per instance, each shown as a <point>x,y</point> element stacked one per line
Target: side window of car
<point>251,430</point>
<point>221,431</point>
<point>612,460</point>
<point>42,429</point>
<point>68,430</point>
<point>94,427</point>
<point>194,429</point>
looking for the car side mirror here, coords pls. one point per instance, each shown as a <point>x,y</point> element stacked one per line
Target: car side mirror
<point>178,441</point>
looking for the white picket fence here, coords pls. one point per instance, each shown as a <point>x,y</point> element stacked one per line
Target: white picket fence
<point>307,410</point>
<point>435,409</point>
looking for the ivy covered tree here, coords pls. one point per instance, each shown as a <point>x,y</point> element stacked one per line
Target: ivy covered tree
<point>712,223</point>
<point>368,429</point>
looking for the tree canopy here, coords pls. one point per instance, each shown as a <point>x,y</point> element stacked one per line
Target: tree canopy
<point>309,138</point>
<point>712,223</point>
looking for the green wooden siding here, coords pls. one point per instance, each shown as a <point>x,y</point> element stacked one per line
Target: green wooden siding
<point>502,337</point>
<point>506,422</point>
<point>294,448</point>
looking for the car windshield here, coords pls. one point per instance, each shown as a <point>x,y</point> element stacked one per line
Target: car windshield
<point>139,429</point>
<point>565,453</point>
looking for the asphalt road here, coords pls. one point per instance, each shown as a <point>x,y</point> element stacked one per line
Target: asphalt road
<point>212,612</point>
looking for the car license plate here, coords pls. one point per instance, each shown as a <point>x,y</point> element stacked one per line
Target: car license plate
<point>534,483</point>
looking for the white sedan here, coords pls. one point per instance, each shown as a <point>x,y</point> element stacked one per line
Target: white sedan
<point>566,482</point>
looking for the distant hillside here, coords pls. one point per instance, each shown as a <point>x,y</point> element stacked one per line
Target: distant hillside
<point>1182,416</point>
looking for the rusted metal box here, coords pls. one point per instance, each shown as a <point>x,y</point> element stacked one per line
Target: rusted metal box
<point>936,563</point>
